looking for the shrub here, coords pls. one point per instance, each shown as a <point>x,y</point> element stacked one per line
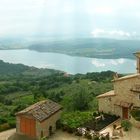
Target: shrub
<point>4,126</point>
<point>2,120</point>
<point>126,125</point>
<point>96,138</point>
<point>72,120</point>
<point>136,114</point>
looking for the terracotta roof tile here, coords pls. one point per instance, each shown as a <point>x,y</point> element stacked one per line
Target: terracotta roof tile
<point>41,110</point>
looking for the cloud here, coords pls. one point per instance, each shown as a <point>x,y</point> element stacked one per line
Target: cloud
<point>117,61</point>
<point>98,63</point>
<point>100,10</point>
<point>103,63</point>
<point>112,33</point>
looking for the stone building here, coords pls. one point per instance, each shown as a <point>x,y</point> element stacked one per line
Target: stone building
<point>125,96</point>
<point>38,120</point>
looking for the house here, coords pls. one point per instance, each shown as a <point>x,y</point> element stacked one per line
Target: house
<point>124,97</point>
<point>39,120</point>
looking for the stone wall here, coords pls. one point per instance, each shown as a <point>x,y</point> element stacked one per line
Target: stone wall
<point>123,90</point>
<point>17,124</point>
<point>106,104</point>
<point>44,126</point>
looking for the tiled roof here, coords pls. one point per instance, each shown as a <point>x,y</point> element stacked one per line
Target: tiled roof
<point>127,77</point>
<point>41,110</point>
<point>107,94</point>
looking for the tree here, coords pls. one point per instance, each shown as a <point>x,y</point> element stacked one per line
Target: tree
<point>81,99</point>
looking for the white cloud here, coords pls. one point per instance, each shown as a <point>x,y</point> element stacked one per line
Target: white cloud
<point>103,63</point>
<point>112,33</point>
<point>98,63</point>
<point>117,61</point>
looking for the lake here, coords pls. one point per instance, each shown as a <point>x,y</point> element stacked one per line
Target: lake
<point>69,64</point>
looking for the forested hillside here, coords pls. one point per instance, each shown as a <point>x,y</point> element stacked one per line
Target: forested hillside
<point>90,47</point>
<point>21,86</point>
<point>104,48</point>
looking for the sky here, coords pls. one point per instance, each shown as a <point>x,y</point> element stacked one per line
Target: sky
<point>95,18</point>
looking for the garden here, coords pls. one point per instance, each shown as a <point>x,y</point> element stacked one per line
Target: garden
<point>86,124</point>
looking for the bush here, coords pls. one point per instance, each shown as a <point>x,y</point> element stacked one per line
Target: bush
<point>12,123</point>
<point>96,138</point>
<point>126,125</point>
<point>2,120</point>
<point>4,126</point>
<point>136,114</point>
<point>72,120</point>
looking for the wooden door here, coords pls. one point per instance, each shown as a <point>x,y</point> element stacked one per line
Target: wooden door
<point>125,112</point>
<point>28,126</point>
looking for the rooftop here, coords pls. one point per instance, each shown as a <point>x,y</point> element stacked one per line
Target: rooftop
<point>41,110</point>
<point>107,94</point>
<point>127,77</point>
<point>137,54</point>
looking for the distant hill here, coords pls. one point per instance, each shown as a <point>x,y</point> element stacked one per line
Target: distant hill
<point>90,47</point>
<point>104,48</point>
<point>20,69</point>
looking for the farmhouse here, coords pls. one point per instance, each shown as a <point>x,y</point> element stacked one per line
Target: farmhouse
<point>124,97</point>
<point>38,120</point>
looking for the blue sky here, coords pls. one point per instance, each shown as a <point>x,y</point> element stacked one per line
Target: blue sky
<point>97,18</point>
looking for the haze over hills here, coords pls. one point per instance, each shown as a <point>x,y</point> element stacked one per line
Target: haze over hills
<point>87,47</point>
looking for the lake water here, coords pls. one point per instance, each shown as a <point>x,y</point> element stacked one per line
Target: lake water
<point>69,64</point>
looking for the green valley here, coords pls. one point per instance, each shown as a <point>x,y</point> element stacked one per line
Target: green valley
<point>21,86</point>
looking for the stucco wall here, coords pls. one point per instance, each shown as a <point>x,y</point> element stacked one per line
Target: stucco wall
<point>44,126</point>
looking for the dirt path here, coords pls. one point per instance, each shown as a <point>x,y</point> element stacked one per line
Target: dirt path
<point>134,134</point>
<point>5,134</point>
